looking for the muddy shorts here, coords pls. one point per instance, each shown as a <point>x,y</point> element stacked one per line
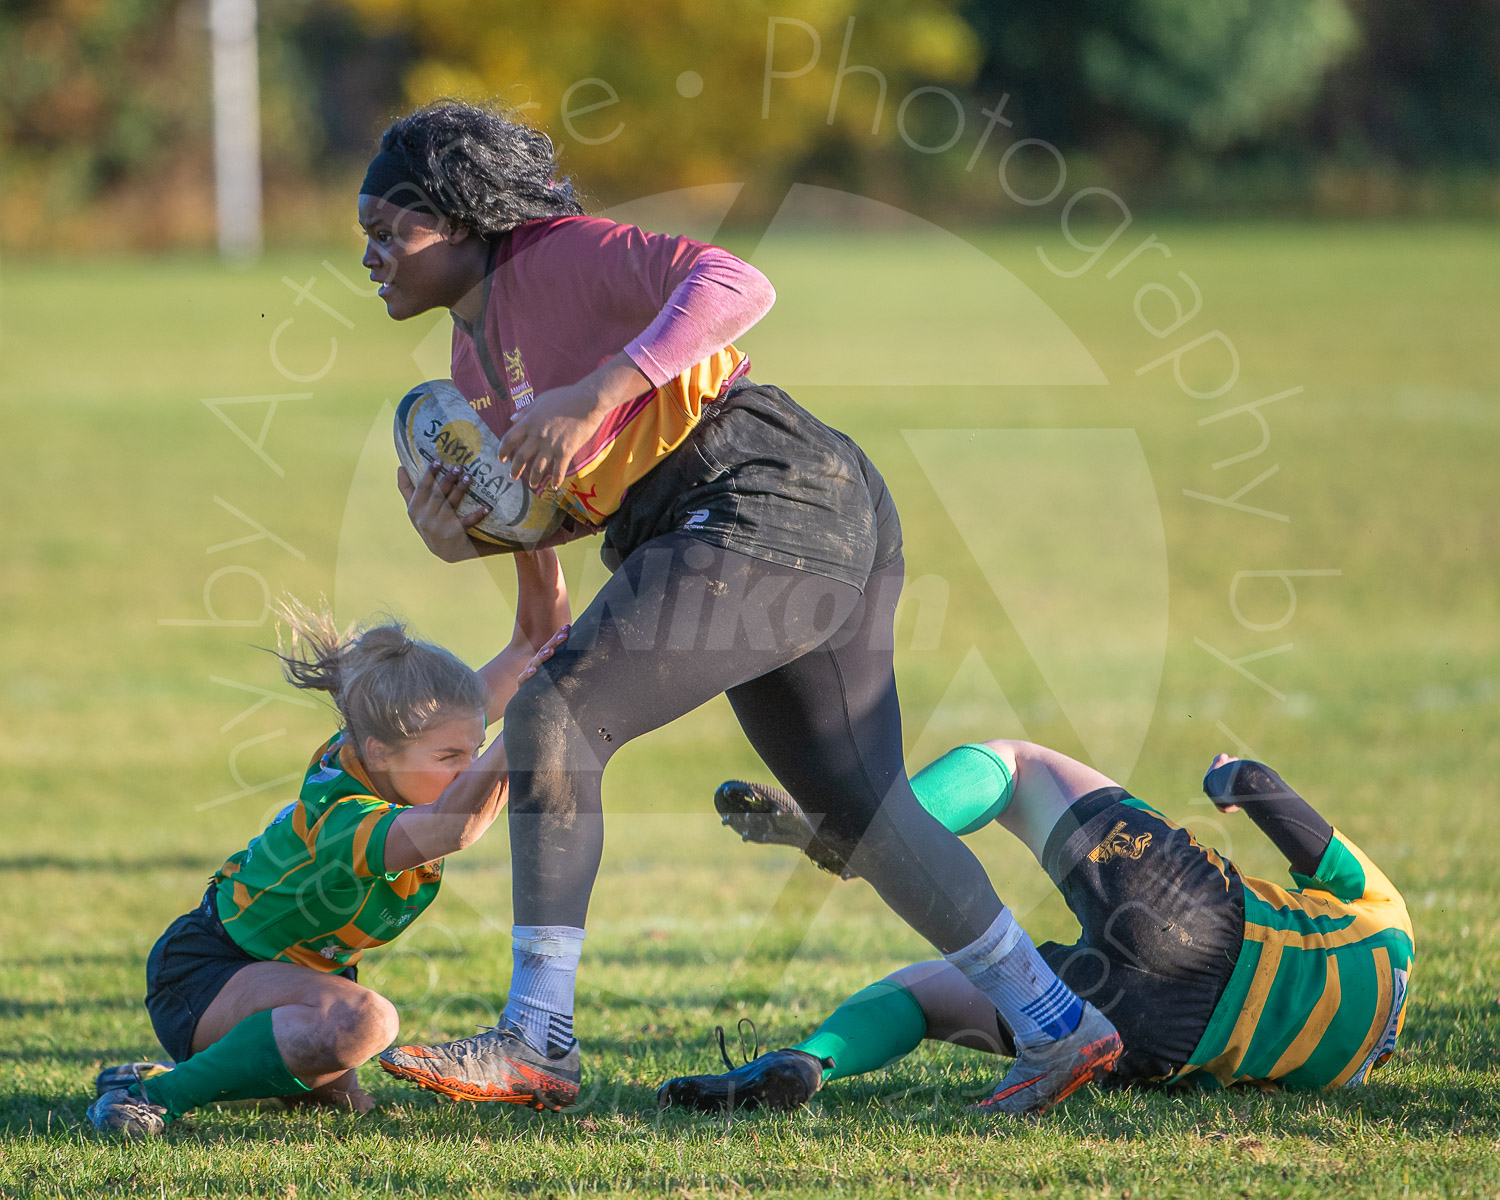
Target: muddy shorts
<point>762,476</point>
<point>1162,921</point>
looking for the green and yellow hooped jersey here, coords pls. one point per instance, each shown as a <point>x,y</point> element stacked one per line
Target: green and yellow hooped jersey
<point>1318,996</point>
<point>313,888</point>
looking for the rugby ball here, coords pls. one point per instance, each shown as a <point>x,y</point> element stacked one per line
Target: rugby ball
<point>436,423</point>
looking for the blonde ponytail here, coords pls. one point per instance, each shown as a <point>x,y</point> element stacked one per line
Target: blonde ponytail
<point>384,684</point>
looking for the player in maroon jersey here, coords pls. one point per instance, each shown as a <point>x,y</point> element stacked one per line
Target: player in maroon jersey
<point>756,552</point>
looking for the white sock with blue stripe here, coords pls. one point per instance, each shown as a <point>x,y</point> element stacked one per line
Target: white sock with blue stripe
<point>545,968</point>
<point>1003,963</point>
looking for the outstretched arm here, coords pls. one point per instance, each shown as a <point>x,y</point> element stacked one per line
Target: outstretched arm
<point>470,804</point>
<point>541,612</point>
<point>1294,826</point>
<point>455,820</point>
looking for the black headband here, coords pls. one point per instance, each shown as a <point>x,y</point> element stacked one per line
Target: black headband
<point>391,178</point>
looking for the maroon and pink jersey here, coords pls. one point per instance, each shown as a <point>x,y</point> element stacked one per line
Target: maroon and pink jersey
<point>563,296</point>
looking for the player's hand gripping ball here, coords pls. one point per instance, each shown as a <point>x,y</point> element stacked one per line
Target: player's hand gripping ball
<point>436,424</point>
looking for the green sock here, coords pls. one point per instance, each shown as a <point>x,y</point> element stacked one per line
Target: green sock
<point>871,1029</point>
<point>245,1064</point>
<point>965,789</point>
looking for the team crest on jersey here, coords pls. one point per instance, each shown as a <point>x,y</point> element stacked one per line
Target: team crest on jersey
<point>515,379</point>
<point>1119,844</point>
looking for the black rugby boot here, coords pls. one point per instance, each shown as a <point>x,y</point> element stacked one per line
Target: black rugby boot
<point>778,1079</point>
<point>759,812</point>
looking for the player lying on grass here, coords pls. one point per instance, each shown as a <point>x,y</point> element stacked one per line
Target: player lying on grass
<point>1210,976</point>
<point>253,993</point>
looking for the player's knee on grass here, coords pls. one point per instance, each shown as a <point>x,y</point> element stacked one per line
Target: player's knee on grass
<point>356,1025</point>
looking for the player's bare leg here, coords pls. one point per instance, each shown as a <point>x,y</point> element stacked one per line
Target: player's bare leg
<point>955,1010</point>
<point>1045,784</point>
<point>325,1025</point>
<point>343,1093</point>
<point>274,1030</point>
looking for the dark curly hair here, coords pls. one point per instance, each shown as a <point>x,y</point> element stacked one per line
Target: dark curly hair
<point>480,168</point>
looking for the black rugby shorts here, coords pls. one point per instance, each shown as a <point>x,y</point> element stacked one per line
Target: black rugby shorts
<point>1162,922</point>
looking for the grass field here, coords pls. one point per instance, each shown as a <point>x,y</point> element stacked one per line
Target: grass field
<point>1056,574</point>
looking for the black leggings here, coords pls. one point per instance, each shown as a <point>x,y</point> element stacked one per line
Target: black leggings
<point>806,662</point>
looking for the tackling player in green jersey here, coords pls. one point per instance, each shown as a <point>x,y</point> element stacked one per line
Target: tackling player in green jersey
<point>1211,977</point>
<point>253,993</point>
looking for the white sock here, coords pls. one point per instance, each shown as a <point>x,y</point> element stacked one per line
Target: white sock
<point>545,966</point>
<point>1003,964</point>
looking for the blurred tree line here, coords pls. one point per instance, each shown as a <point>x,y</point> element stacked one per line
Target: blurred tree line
<point>1357,106</point>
